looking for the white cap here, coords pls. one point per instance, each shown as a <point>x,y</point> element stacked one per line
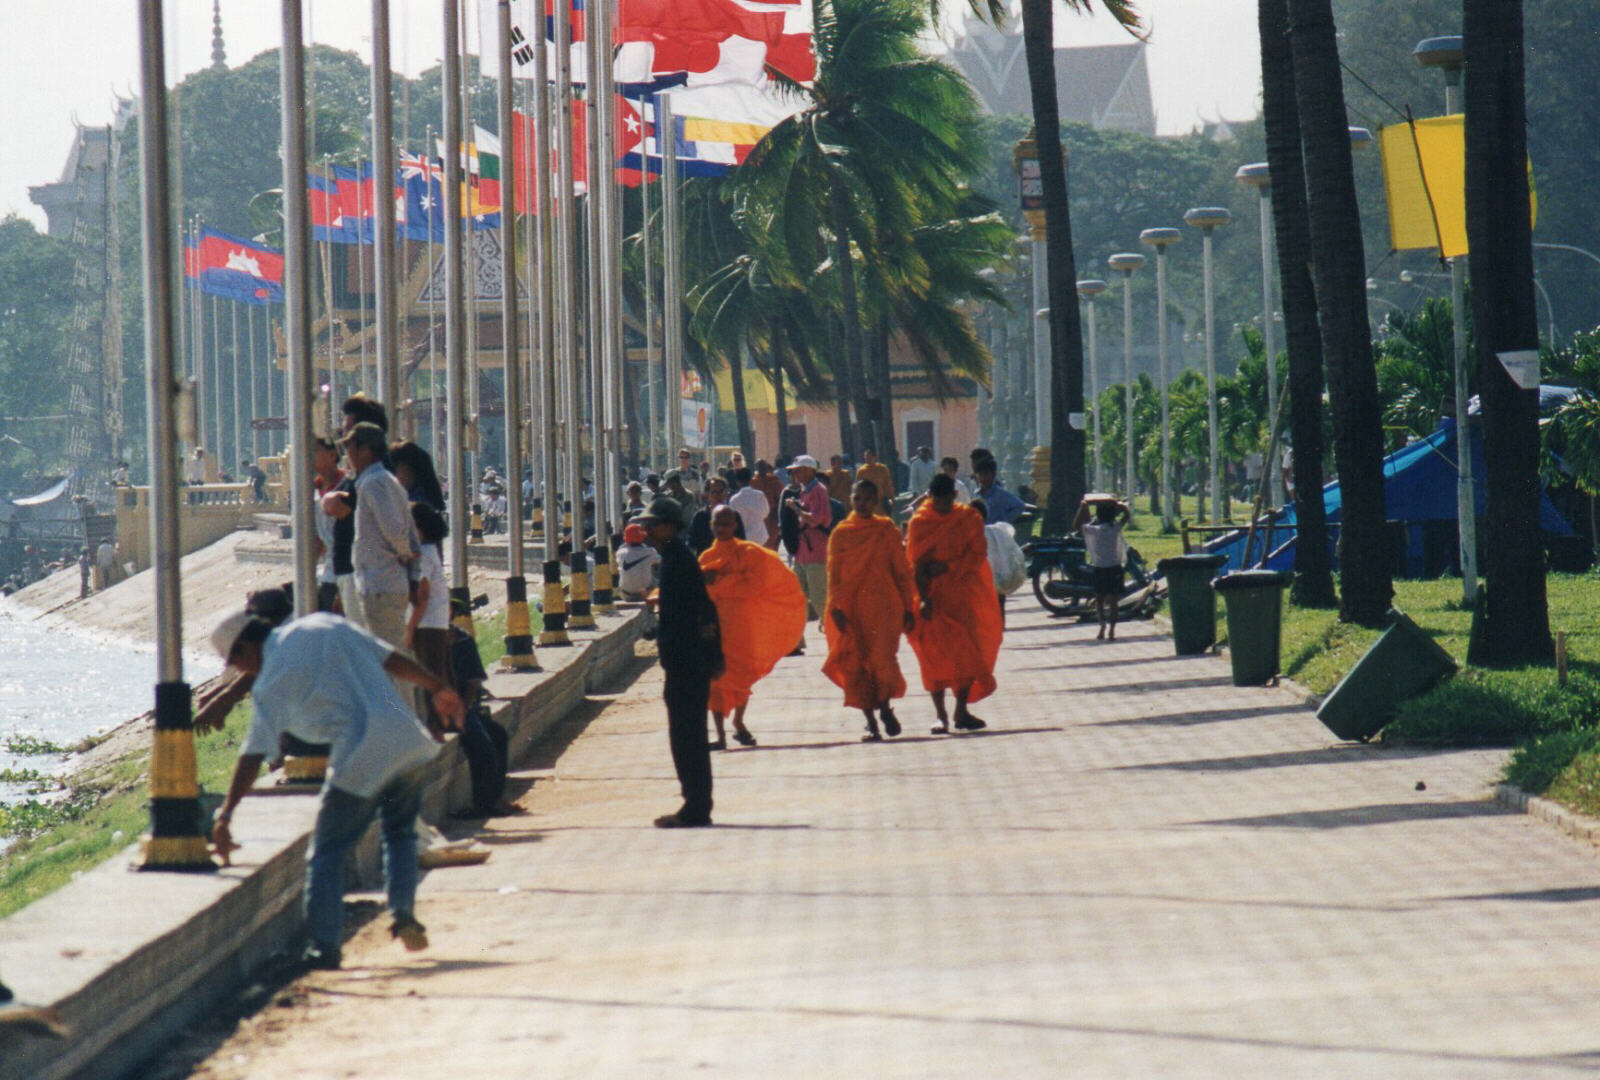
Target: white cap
<point>804,461</point>
<point>227,632</point>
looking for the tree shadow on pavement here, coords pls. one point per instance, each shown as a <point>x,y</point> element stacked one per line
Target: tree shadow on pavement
<point>900,740</point>
<point>1356,816</point>
<point>1153,685</point>
<point>1333,755</point>
<point>1198,716</point>
<point>1576,894</point>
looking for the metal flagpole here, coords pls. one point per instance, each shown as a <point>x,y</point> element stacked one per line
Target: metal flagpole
<point>671,298</point>
<point>519,630</point>
<point>300,389</point>
<point>548,187</point>
<point>611,232</point>
<point>216,383</point>
<point>327,302</point>
<point>252,362</point>
<point>361,275</point>
<point>649,293</point>
<point>386,252</point>
<point>454,317</point>
<point>433,358</point>
<point>238,432</point>
<point>470,406</point>
<point>597,332</point>
<point>176,842</point>
<point>579,615</point>
<point>202,381</point>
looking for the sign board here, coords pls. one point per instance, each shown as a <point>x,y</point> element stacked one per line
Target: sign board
<point>1523,367</point>
<point>692,385</point>
<point>1032,184</point>
<point>696,423</point>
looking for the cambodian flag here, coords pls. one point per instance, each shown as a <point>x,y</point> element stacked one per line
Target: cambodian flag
<point>328,221</point>
<point>235,269</point>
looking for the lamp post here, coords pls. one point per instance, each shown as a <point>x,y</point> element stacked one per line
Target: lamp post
<point>1258,176</point>
<point>1208,219</point>
<point>1445,54</point>
<point>1125,263</point>
<point>1161,239</point>
<point>1088,289</point>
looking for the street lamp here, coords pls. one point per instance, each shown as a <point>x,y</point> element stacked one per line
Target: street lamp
<point>1025,160</point>
<point>1125,263</point>
<point>1088,289</point>
<point>1208,219</point>
<point>1160,239</point>
<point>1445,54</point>
<point>1259,176</point>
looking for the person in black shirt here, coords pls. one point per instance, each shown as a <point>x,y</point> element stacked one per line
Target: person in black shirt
<point>690,644</point>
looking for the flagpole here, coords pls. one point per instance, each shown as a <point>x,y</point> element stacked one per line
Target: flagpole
<point>361,275</point>
<point>327,301</point>
<point>387,261</point>
<point>176,842</point>
<point>433,358</point>
<point>201,382</point>
<point>530,259</point>
<point>671,298</point>
<point>519,630</point>
<point>238,434</point>
<point>300,396</point>
<point>216,382</point>
<point>470,418</point>
<point>546,189</point>
<point>579,616</point>
<point>616,356</point>
<point>596,332</point>
<point>454,317</point>
<point>649,287</point>
<point>252,362</point>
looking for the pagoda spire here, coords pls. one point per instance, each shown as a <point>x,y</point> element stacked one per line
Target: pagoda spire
<point>219,52</point>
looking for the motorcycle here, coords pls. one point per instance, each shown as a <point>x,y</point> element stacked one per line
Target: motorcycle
<point>1063,581</point>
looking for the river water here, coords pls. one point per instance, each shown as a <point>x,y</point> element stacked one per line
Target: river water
<point>59,686</point>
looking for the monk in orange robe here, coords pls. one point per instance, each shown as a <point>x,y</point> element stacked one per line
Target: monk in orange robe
<point>762,611</point>
<point>957,638</point>
<point>871,601</point>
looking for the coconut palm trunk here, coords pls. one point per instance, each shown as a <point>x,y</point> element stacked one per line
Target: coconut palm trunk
<point>1313,574</point>
<point>778,391</point>
<point>1516,618</point>
<point>1339,271</point>
<point>1067,442</point>
<point>741,410</point>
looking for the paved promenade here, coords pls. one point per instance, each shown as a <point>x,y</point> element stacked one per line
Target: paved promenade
<point>1138,871</point>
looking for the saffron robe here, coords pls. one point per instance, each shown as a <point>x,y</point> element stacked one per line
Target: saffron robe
<point>956,646</point>
<point>762,611</point>
<point>869,580</point>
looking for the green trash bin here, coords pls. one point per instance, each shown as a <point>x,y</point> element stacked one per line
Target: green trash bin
<point>1254,599</point>
<point>1402,664</point>
<point>1191,600</point>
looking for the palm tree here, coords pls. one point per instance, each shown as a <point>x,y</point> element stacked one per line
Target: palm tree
<point>887,137</point>
<point>1338,266</point>
<point>1416,370</point>
<point>1516,615</point>
<point>1291,226</point>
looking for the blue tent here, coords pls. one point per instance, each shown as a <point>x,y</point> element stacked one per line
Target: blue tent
<point>1419,489</point>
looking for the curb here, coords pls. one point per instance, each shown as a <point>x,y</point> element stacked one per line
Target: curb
<point>1579,826</point>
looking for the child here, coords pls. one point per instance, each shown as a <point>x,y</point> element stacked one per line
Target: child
<point>1105,548</point>
<point>637,564</point>
<point>428,624</point>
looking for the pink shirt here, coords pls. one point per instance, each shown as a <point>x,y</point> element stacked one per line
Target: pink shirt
<point>813,539</point>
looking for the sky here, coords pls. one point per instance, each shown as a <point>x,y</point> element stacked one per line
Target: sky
<point>66,59</point>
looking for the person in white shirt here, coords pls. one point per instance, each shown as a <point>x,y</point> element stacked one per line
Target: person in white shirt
<point>951,468</point>
<point>751,505</point>
<point>921,467</point>
<point>637,563</point>
<point>1101,524</point>
<point>194,469</point>
<point>428,623</point>
<point>385,547</point>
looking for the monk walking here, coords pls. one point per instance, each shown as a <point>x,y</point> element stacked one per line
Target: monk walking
<point>957,638</point>
<point>762,610</point>
<point>871,601</point>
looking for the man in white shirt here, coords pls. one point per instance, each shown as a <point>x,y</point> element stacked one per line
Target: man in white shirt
<point>751,506</point>
<point>922,467</point>
<point>386,546</point>
<point>194,468</point>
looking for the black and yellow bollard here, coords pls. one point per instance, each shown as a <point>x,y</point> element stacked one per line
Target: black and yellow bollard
<point>475,536</point>
<point>461,609</point>
<point>555,607</point>
<point>303,762</point>
<point>177,840</point>
<point>536,522</point>
<point>519,630</point>
<point>604,598</point>
<point>581,616</point>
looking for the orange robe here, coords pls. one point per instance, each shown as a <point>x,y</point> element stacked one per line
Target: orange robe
<point>958,645</point>
<point>869,580</point>
<point>762,611</point>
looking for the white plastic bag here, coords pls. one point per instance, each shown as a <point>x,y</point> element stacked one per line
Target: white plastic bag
<point>1006,560</point>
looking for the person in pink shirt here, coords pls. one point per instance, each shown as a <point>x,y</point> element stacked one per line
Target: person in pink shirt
<point>816,521</point>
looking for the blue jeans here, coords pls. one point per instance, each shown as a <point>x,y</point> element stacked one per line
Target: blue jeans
<point>341,819</point>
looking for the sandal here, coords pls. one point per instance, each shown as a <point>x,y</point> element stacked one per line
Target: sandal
<point>970,723</point>
<point>939,729</point>
<point>891,723</point>
<point>744,738</point>
<point>871,736</point>
<point>720,744</point>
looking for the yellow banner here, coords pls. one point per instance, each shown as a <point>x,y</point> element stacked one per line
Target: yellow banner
<point>1424,178</point>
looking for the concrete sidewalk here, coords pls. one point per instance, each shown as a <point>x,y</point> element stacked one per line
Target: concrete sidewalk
<point>1138,871</point>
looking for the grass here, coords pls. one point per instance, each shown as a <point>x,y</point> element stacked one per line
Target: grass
<point>57,840</point>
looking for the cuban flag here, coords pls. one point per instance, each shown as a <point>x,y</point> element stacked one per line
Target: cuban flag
<point>715,129</point>
<point>234,268</point>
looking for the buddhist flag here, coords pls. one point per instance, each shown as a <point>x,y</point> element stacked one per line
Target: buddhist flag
<point>1425,181</point>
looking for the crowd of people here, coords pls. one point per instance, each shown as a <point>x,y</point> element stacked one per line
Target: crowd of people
<point>736,562</point>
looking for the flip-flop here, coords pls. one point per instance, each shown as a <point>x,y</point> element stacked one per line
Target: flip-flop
<point>939,729</point>
<point>891,723</point>
<point>871,736</point>
<point>744,738</point>
<point>971,723</point>
<point>720,744</point>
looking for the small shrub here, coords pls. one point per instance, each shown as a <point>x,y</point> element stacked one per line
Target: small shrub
<point>1578,785</point>
<point>1496,708</point>
<point>1536,765</point>
<point>29,746</point>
